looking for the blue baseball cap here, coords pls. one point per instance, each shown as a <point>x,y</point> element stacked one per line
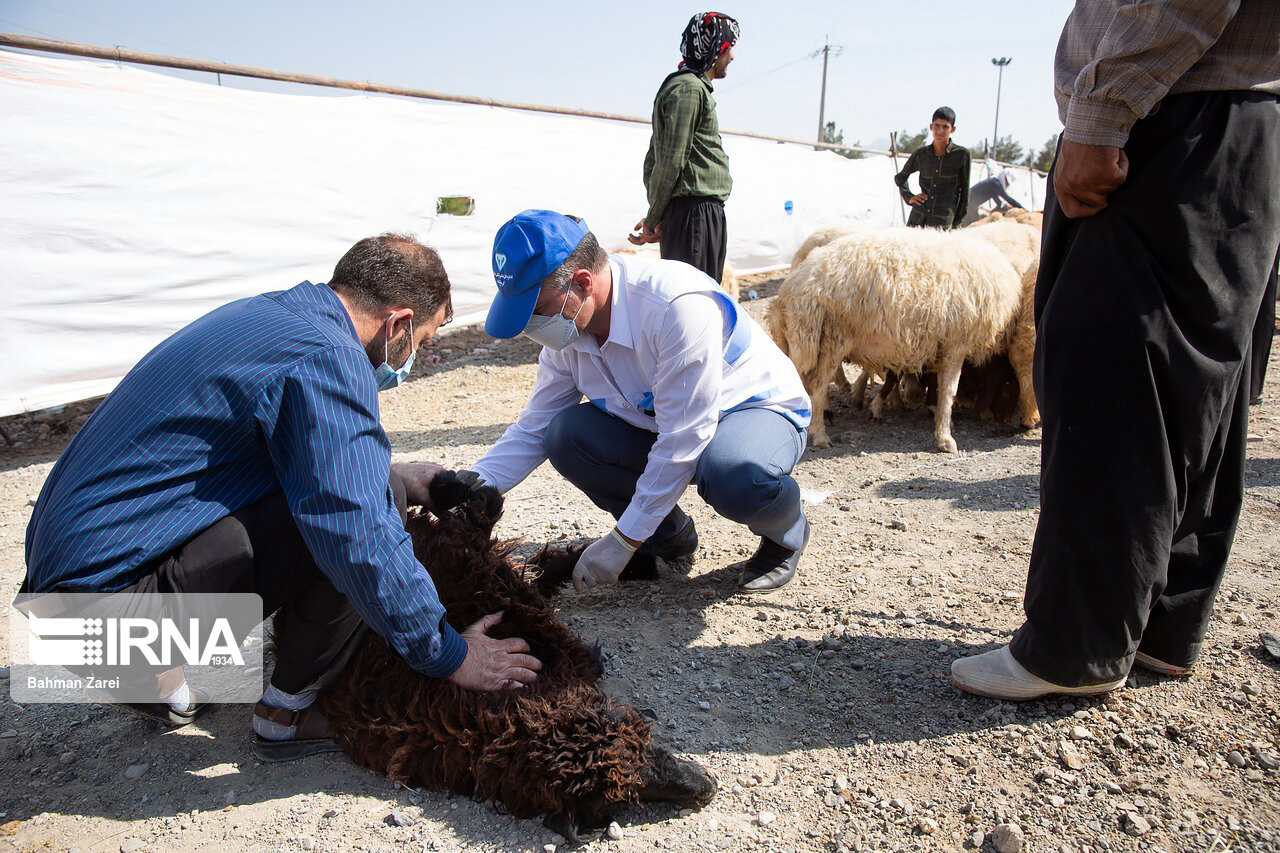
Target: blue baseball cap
<point>527,249</point>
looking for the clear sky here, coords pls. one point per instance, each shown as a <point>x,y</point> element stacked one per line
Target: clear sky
<point>898,61</point>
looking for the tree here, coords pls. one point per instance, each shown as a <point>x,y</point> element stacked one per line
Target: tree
<point>833,135</point>
<point>1007,149</point>
<point>908,141</point>
<point>1043,158</point>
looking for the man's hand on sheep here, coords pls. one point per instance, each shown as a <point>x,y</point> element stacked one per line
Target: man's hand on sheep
<point>492,664</point>
<point>1084,175</point>
<point>417,477</point>
<point>642,234</point>
<point>603,560</point>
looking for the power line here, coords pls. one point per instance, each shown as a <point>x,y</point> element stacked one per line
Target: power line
<point>767,73</point>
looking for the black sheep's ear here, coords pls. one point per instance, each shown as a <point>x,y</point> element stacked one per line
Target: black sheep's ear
<point>448,489</point>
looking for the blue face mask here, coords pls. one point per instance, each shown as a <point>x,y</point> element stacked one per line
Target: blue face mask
<point>387,376</point>
<point>556,332</point>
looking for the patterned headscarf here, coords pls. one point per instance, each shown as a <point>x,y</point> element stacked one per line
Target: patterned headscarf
<point>707,36</point>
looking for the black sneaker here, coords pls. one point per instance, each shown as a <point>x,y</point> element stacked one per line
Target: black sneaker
<point>678,548</point>
<point>772,566</point>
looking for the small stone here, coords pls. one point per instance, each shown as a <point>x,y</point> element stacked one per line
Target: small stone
<point>926,827</point>
<point>704,706</point>
<point>66,758</point>
<point>135,771</point>
<point>832,800</point>
<point>131,845</point>
<point>976,839</point>
<point>1267,761</point>
<point>330,813</point>
<point>761,616</point>
<point>1250,688</point>
<point>1253,775</point>
<point>548,848</point>
<point>1271,643</point>
<point>1244,619</point>
<point>1081,733</point>
<point>766,818</point>
<point>1134,824</point>
<point>1056,801</point>
<point>398,818</point>
<point>8,733</point>
<point>1007,838</point>
<point>306,842</point>
<point>897,524</point>
<point>1070,758</point>
<point>1235,759</point>
<point>901,805</point>
<point>1112,788</point>
<point>1124,741</point>
<point>614,831</point>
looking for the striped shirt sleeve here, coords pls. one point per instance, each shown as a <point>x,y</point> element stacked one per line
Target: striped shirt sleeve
<point>333,458</point>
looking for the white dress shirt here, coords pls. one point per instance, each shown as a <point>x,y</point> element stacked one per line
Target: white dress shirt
<point>680,356</point>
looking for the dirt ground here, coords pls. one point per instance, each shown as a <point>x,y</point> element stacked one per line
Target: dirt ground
<point>825,710</point>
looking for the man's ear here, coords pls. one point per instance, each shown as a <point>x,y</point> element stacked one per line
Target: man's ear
<point>400,320</point>
<point>585,280</point>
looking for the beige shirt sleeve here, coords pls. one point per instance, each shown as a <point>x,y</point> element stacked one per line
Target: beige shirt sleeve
<point>1142,49</point>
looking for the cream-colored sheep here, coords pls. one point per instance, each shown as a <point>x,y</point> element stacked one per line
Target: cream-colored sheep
<point>728,279</point>
<point>902,299</point>
<point>1034,218</point>
<point>820,238</point>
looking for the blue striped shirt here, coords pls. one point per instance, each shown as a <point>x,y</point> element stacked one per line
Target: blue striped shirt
<point>264,395</point>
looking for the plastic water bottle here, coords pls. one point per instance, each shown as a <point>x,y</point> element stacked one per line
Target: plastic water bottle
<point>787,206</point>
<point>751,294</point>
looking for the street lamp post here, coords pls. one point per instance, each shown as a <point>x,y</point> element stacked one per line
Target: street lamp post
<point>995,132</point>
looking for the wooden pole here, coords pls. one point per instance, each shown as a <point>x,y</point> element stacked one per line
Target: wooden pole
<point>893,152</point>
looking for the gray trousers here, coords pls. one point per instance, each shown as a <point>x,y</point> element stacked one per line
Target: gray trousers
<point>744,473</point>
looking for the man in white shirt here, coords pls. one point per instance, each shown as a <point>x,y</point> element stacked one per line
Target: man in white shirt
<point>681,386</point>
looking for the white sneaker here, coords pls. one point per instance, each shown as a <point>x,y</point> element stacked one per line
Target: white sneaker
<point>997,675</point>
<point>1156,665</point>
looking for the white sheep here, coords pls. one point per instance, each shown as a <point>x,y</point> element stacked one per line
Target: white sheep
<point>901,299</point>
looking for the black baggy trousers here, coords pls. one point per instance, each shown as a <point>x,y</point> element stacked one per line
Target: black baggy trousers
<point>694,231</point>
<point>1144,315</point>
<point>1263,331</point>
<point>259,549</point>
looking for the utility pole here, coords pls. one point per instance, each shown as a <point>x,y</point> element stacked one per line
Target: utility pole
<point>995,132</point>
<point>825,50</point>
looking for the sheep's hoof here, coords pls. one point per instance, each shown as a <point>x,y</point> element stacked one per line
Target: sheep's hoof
<point>821,441</point>
<point>562,826</point>
<point>947,444</point>
<point>675,780</point>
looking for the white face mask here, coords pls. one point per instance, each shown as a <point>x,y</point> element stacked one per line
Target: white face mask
<point>389,377</point>
<point>555,332</point>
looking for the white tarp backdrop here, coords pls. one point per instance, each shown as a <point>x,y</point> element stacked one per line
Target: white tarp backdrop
<point>132,202</point>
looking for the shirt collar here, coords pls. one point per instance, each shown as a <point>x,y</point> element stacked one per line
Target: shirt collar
<point>620,314</point>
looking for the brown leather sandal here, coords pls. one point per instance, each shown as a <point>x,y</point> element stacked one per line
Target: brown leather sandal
<point>314,734</point>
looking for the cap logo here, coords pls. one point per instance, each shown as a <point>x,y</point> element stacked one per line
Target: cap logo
<point>500,259</point>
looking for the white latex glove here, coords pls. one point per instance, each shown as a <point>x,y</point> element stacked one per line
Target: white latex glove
<point>603,561</point>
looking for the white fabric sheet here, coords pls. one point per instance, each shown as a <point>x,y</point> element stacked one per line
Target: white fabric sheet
<point>132,202</point>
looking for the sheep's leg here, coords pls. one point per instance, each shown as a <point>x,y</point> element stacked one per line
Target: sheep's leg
<point>1022,356</point>
<point>876,411</point>
<point>948,382</point>
<point>858,390</point>
<point>816,384</point>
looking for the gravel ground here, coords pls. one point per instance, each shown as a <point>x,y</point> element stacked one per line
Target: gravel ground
<point>825,710</point>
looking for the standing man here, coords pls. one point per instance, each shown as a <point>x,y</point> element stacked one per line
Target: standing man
<point>681,386</point>
<point>943,199</point>
<point>244,454</point>
<point>686,172</point>
<point>1155,258</point>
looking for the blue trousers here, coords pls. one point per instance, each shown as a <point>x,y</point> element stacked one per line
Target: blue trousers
<point>744,473</point>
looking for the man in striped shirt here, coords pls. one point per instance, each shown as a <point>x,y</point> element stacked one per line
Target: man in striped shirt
<point>245,454</point>
<point>686,171</point>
